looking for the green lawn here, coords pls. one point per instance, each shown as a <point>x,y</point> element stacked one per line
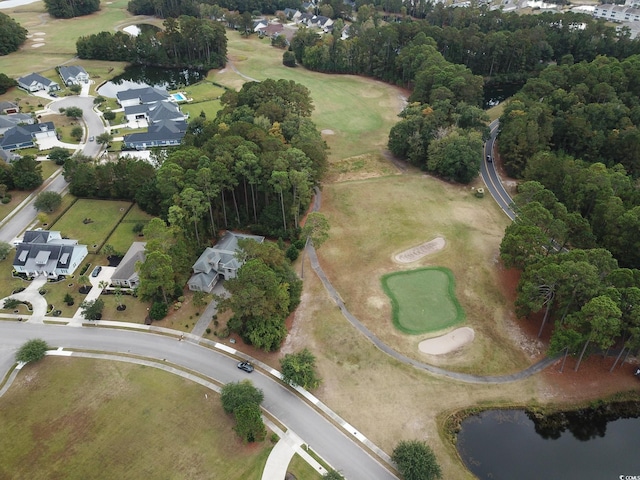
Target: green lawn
<point>123,236</point>
<point>104,215</point>
<point>423,300</point>
<point>359,111</point>
<point>209,107</point>
<point>302,470</point>
<point>80,418</point>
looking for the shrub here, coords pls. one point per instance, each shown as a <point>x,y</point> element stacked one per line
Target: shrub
<point>11,303</point>
<point>289,59</point>
<point>32,351</point>
<point>6,200</point>
<point>158,310</point>
<point>292,253</point>
<point>208,330</point>
<point>109,115</point>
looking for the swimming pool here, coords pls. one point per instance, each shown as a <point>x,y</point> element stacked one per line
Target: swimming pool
<point>179,97</point>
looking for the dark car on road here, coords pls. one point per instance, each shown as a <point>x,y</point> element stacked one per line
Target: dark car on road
<point>96,271</point>
<point>246,366</point>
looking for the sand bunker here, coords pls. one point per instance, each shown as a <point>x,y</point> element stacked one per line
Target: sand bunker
<point>39,34</point>
<point>447,343</point>
<point>328,132</point>
<point>37,45</point>
<point>416,253</point>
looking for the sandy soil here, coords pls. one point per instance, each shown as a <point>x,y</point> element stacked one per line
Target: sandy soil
<point>447,343</point>
<point>416,253</point>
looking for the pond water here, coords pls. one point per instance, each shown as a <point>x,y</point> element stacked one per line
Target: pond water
<point>138,76</point>
<point>507,444</point>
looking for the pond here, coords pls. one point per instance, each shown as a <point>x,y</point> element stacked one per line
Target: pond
<point>586,444</point>
<point>138,76</point>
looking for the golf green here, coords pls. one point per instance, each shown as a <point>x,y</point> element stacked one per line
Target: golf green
<point>423,300</point>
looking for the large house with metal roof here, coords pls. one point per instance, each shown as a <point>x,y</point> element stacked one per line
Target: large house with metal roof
<point>44,252</point>
<point>141,96</point>
<point>219,261</point>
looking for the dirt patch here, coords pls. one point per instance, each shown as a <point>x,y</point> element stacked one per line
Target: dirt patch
<point>416,253</point>
<point>447,343</point>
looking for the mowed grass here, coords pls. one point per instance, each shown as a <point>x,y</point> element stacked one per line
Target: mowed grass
<point>81,418</point>
<point>123,236</point>
<point>423,300</point>
<point>302,470</point>
<point>359,111</point>
<point>59,36</point>
<point>104,215</point>
<point>373,220</point>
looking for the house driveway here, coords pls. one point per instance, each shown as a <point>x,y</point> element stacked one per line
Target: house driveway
<point>105,275</point>
<point>50,142</point>
<point>205,319</point>
<point>31,294</point>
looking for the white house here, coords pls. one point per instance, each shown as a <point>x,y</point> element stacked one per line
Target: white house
<point>617,13</point>
<point>73,75</point>
<point>35,82</point>
<point>218,262</point>
<point>46,253</point>
<point>126,275</point>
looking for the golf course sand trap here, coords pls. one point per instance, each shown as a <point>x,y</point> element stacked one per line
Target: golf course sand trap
<point>328,132</point>
<point>37,45</point>
<point>447,343</point>
<point>416,253</point>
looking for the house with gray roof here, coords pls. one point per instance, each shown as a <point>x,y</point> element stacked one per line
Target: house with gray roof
<point>7,108</point>
<point>154,112</point>
<point>26,136</point>
<point>219,261</point>
<point>73,75</point>
<point>126,274</point>
<point>7,157</point>
<point>9,121</point>
<point>35,82</point>
<point>141,96</point>
<point>44,252</point>
<point>165,133</point>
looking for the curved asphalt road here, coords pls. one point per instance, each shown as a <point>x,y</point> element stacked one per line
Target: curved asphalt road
<point>319,433</point>
<point>490,175</point>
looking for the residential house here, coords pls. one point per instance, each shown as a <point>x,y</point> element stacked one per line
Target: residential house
<point>26,136</point>
<point>35,82</point>
<point>617,13</point>
<point>73,75</point>
<point>10,121</point>
<point>292,14</point>
<point>142,96</point>
<point>7,156</point>
<point>126,275</point>
<point>7,108</point>
<point>219,261</point>
<point>260,24</point>
<point>165,133</point>
<point>272,30</point>
<point>154,112</point>
<point>43,252</point>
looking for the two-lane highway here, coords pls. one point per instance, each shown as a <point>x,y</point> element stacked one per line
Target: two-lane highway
<point>490,175</point>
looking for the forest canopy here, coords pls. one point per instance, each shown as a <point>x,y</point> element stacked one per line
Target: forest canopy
<point>12,35</point>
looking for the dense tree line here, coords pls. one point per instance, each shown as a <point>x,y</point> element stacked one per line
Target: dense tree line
<point>175,8</point>
<point>71,8</point>
<point>252,167</point>
<point>592,302</point>
<point>12,35</point>
<point>24,173</point>
<point>184,42</point>
<point>588,110</point>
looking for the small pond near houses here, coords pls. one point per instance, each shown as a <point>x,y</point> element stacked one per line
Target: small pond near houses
<point>597,444</point>
<point>139,76</point>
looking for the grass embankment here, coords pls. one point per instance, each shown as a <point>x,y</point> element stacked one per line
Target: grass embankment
<point>423,300</point>
<point>123,421</point>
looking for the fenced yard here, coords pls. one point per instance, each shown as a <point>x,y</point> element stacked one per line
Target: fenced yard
<point>123,236</point>
<point>91,221</point>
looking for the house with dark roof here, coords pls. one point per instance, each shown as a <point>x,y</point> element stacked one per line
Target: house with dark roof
<point>35,82</point>
<point>7,156</point>
<point>141,96</point>
<point>7,108</point>
<point>165,133</point>
<point>291,13</point>
<point>9,121</point>
<point>73,75</point>
<point>43,252</point>
<point>126,274</point>
<point>26,136</point>
<point>219,261</point>
<point>155,112</point>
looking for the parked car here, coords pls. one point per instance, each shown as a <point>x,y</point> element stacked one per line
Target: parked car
<point>96,271</point>
<point>246,366</point>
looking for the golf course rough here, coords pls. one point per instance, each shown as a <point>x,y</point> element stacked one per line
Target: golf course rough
<point>423,300</point>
